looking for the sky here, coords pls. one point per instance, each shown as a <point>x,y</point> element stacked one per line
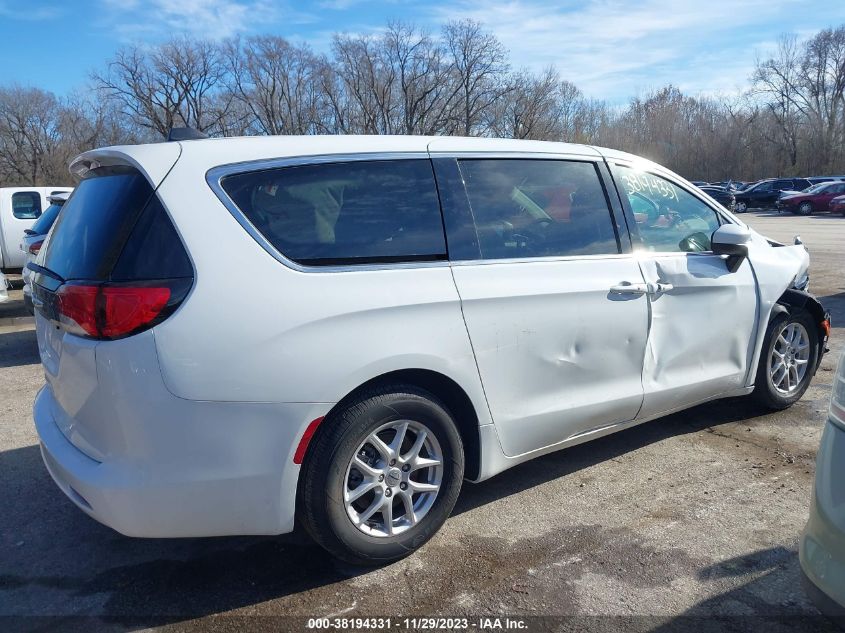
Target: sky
<point>611,49</point>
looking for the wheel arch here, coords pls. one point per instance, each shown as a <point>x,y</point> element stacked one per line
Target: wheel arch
<point>446,389</point>
<point>793,299</point>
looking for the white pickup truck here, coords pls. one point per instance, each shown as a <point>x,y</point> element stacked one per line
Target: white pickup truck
<point>20,207</point>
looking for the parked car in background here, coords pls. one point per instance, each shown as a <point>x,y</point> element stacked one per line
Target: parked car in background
<point>20,207</point>
<point>820,179</point>
<point>815,199</point>
<point>765,193</point>
<point>821,551</point>
<point>4,294</point>
<point>432,309</point>
<point>34,237</point>
<point>837,205</point>
<point>722,196</point>
<point>729,185</point>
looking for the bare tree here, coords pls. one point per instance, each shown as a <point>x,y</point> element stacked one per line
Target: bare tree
<point>173,84</point>
<point>421,78</point>
<point>478,70</point>
<point>29,135</point>
<point>403,80</point>
<point>369,81</point>
<point>276,83</point>
<point>530,108</point>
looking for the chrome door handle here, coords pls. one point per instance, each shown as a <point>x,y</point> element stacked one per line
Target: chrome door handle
<point>627,288</point>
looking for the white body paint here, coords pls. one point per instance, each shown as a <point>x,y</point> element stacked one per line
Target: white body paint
<point>189,429</point>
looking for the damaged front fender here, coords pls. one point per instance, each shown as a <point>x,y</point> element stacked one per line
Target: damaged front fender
<point>780,271</point>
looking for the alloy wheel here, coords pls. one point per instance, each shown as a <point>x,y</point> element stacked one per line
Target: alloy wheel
<point>790,358</point>
<point>393,478</point>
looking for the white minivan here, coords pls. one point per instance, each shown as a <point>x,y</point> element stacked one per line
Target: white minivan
<point>20,207</point>
<point>415,311</point>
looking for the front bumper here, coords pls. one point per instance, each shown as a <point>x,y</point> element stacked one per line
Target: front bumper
<point>822,547</point>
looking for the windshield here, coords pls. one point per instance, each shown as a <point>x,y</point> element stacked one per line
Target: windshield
<point>817,187</point>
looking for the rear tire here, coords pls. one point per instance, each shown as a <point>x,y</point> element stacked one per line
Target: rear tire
<point>347,458</point>
<point>805,208</point>
<point>741,207</point>
<point>780,382</point>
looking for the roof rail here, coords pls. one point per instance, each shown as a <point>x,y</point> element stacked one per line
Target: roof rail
<point>184,134</point>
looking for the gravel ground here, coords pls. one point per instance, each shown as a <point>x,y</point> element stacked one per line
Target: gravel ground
<point>696,515</point>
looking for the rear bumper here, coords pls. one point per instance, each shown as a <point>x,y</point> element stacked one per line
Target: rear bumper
<point>234,473</point>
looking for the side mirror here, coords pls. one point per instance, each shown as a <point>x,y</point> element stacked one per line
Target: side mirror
<point>731,240</point>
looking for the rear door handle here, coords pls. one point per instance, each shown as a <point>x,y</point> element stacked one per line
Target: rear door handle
<point>627,288</point>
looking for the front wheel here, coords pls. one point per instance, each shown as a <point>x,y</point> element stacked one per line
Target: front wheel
<point>787,360</point>
<point>383,476</point>
<point>741,207</point>
<point>805,208</point>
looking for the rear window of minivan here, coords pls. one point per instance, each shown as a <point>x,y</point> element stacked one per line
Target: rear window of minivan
<point>114,228</point>
<point>345,213</point>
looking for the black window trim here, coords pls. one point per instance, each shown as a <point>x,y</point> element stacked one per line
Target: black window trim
<point>214,178</point>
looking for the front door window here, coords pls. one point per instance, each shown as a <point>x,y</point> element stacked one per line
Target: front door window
<point>667,218</point>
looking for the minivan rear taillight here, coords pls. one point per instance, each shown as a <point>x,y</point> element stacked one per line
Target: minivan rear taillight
<point>35,247</point>
<point>110,311</point>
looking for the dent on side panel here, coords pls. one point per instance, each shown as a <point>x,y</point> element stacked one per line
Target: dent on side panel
<point>558,353</point>
<point>701,331</point>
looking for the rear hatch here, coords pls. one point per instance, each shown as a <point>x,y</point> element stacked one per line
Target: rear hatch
<point>112,266</point>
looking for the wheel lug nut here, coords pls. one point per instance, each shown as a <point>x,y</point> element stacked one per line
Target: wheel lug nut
<point>403,485</point>
<point>381,477</point>
<point>388,492</point>
<point>406,467</point>
<point>392,462</point>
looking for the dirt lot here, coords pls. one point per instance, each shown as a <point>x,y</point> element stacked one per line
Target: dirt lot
<point>697,514</point>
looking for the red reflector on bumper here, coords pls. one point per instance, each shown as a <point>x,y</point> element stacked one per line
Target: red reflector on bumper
<point>299,455</point>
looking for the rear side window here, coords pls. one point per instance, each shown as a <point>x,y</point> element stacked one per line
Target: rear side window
<point>526,208</point>
<point>26,205</point>
<point>153,250</point>
<point>345,213</point>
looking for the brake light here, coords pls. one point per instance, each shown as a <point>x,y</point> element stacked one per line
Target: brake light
<point>109,311</point>
<point>35,247</point>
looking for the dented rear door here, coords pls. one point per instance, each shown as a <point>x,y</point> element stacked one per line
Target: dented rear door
<point>559,352</point>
